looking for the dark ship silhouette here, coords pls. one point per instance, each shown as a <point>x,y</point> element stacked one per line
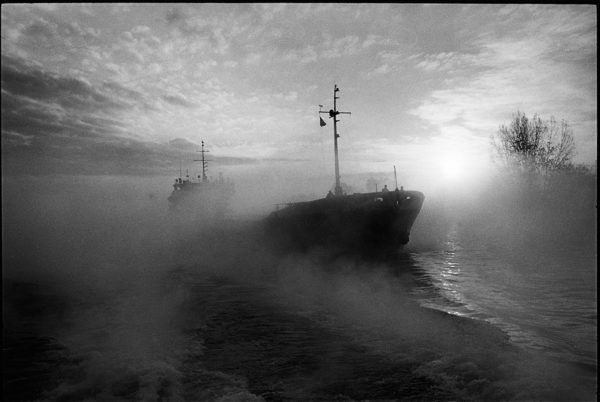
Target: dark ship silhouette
<point>364,223</point>
<point>203,197</point>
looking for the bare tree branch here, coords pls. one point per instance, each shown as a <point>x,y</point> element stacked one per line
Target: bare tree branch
<point>534,146</point>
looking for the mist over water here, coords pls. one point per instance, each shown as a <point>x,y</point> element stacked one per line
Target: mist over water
<point>127,301</point>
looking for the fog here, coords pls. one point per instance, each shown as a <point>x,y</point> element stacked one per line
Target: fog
<point>108,271</point>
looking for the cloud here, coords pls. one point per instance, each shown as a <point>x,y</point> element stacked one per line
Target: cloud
<point>183,144</point>
<point>175,16</point>
<point>444,61</point>
<point>382,69</point>
<point>345,46</point>
<point>23,80</point>
<point>190,23</point>
<point>14,139</point>
<point>295,49</point>
<point>178,100</point>
<point>302,56</point>
<point>39,30</point>
<point>55,124</point>
<point>376,40</point>
<point>189,150</point>
<point>50,123</point>
<point>57,33</point>
<point>253,59</point>
<point>288,97</point>
<point>141,29</point>
<point>268,12</point>
<point>390,61</point>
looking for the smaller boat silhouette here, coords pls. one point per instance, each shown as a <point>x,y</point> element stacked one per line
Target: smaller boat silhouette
<point>201,196</point>
<point>364,223</point>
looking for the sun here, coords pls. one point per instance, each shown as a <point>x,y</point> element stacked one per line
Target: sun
<point>452,169</point>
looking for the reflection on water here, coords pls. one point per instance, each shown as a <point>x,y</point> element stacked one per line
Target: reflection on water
<point>545,303</point>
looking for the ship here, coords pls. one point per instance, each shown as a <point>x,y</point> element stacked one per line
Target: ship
<point>201,197</point>
<point>366,223</point>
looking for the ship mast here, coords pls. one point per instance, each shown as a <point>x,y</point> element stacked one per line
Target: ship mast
<point>204,163</point>
<point>333,114</point>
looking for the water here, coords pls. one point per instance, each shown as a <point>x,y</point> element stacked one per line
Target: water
<point>145,309</point>
<point>546,303</point>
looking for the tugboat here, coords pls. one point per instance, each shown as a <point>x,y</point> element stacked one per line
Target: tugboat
<point>364,223</point>
<point>201,197</point>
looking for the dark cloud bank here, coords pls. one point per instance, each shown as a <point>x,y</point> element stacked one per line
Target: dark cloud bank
<point>59,125</point>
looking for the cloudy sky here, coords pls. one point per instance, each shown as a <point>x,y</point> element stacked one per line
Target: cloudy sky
<point>117,88</point>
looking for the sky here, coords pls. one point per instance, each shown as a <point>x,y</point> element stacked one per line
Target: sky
<point>134,88</point>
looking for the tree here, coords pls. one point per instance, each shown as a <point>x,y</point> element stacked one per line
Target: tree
<point>535,145</point>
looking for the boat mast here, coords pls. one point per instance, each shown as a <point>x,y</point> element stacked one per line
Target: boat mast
<point>204,163</point>
<point>333,114</point>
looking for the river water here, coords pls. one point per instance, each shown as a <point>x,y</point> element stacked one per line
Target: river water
<point>147,309</point>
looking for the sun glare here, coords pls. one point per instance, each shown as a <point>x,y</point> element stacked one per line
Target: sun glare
<point>452,169</point>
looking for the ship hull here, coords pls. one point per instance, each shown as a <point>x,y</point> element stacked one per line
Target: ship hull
<point>359,223</point>
<point>202,200</point>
